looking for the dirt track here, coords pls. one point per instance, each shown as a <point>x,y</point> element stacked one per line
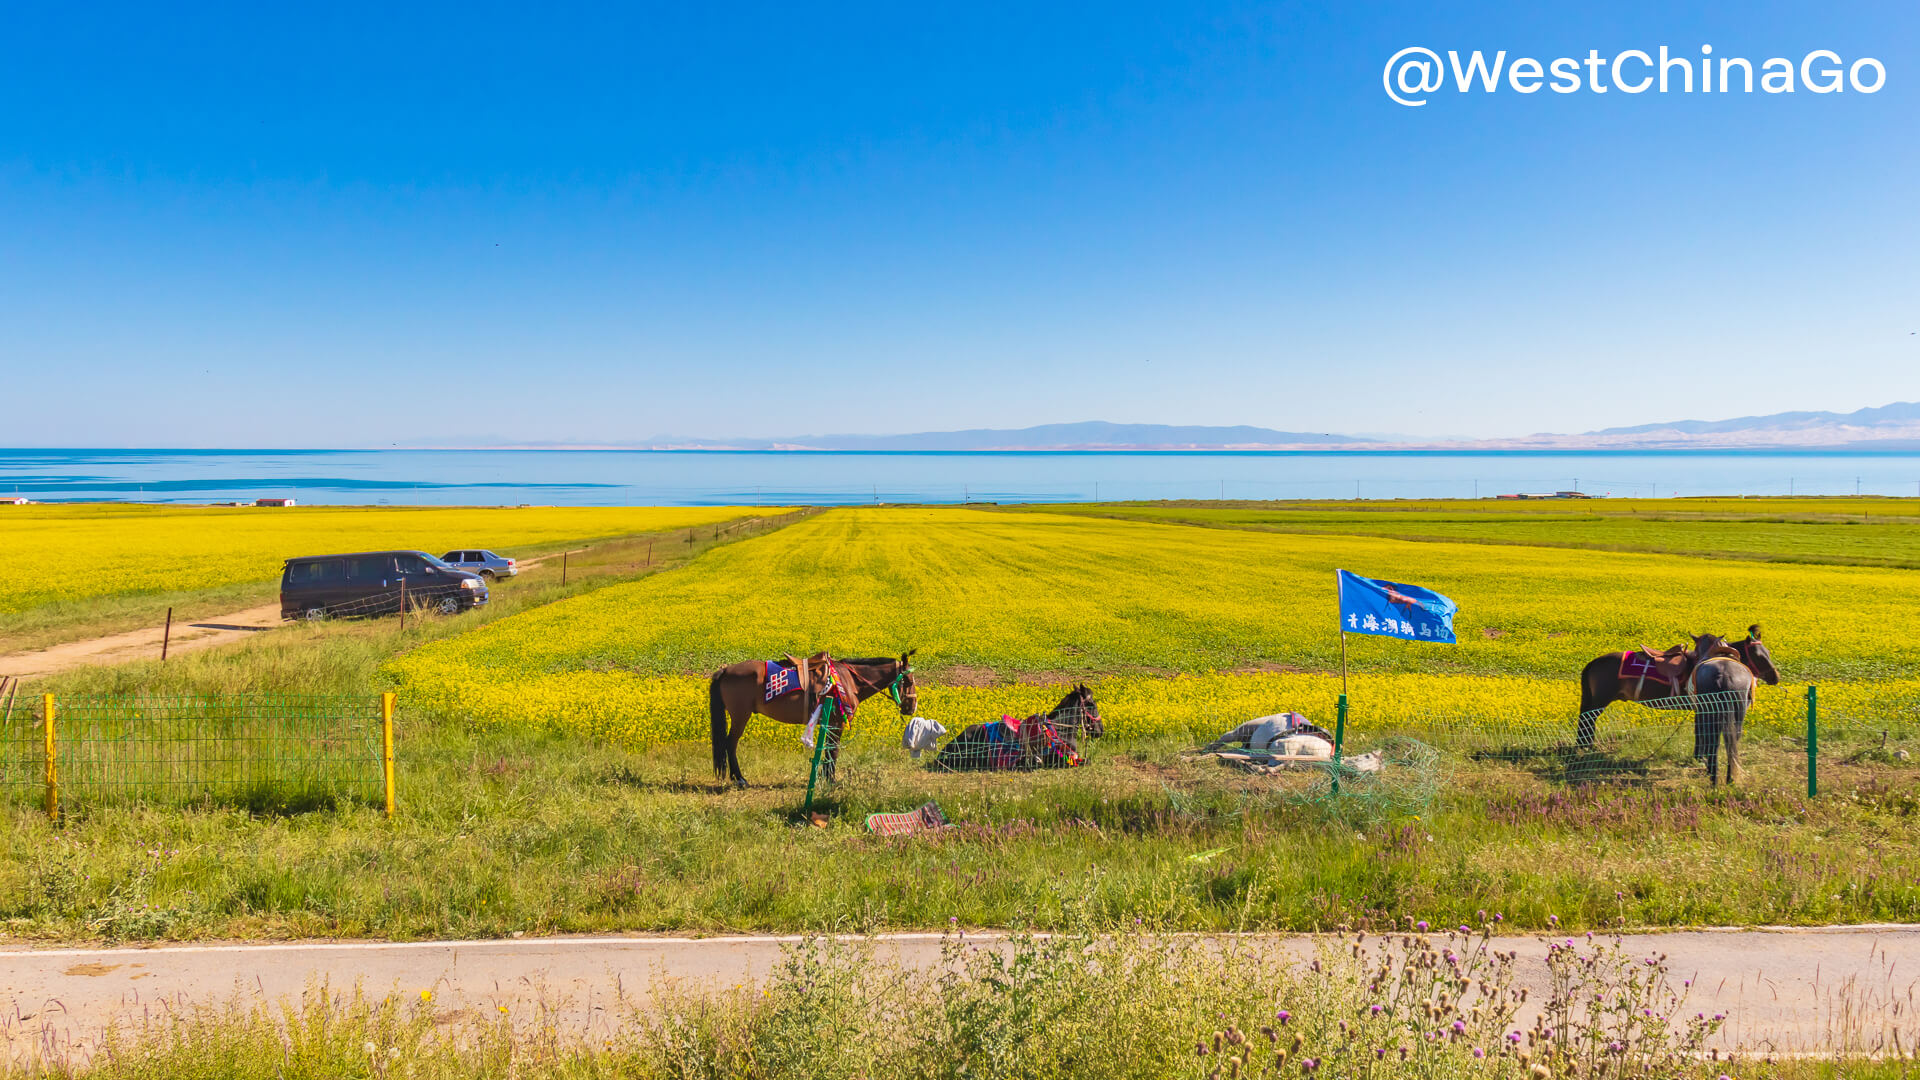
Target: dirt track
<point>1782,989</point>
<point>143,643</point>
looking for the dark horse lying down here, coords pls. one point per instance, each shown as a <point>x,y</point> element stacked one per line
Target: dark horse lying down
<point>1051,741</point>
<point>738,691</point>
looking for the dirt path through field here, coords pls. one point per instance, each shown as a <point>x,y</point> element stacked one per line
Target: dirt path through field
<point>1782,989</point>
<point>143,643</point>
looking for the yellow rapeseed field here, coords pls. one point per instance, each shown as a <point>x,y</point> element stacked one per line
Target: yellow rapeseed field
<point>1183,629</point>
<point>65,553</point>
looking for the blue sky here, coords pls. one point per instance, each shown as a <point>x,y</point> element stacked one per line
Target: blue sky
<point>350,226</point>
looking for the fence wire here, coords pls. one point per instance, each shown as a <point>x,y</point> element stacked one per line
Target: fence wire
<point>441,599</point>
<point>262,751</point>
<point>1637,741</point>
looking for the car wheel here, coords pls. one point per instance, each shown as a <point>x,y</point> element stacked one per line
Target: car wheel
<point>314,614</point>
<point>448,605</point>
<point>487,574</point>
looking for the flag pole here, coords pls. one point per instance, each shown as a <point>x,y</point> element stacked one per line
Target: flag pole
<point>1340,716</point>
<point>1340,605</point>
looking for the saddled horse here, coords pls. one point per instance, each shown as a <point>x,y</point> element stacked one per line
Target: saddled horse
<point>1041,741</point>
<point>1722,687</point>
<point>1602,684</point>
<point>738,691</point>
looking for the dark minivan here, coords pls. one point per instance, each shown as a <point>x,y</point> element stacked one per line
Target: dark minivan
<point>373,583</point>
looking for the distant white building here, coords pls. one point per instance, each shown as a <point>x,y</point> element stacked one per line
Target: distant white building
<point>14,500</point>
<point>273,502</point>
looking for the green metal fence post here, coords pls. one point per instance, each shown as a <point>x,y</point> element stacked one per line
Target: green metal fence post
<point>1339,737</point>
<point>819,748</point>
<point>1813,741</point>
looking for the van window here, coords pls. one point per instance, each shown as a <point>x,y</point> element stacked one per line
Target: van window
<point>321,572</point>
<point>370,568</point>
<point>410,564</point>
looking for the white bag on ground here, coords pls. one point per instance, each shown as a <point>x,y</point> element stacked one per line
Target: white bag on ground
<point>921,734</point>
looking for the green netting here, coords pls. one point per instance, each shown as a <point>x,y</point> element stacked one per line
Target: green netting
<point>1389,777</point>
<point>260,750</point>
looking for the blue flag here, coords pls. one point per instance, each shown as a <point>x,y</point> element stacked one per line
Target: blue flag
<point>1371,606</point>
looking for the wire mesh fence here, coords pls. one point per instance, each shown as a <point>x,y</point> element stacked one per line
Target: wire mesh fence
<point>439,598</point>
<point>283,752</point>
<point>1660,738</point>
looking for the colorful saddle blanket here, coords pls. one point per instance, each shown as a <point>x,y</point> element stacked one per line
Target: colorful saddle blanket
<point>781,679</point>
<point>1667,668</point>
<point>998,746</point>
<point>828,681</point>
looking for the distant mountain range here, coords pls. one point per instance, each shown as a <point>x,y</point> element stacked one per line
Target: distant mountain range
<point>1891,427</point>
<point>1899,420</point>
<point>1894,427</point>
<point>1089,435</point>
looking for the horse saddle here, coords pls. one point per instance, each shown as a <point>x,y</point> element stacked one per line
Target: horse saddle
<point>1673,664</point>
<point>799,675</point>
<point>1669,666</point>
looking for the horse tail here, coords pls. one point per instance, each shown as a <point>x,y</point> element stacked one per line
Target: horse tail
<point>717,710</point>
<point>1592,700</point>
<point>1588,692</point>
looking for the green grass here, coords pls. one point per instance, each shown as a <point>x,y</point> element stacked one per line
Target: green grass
<point>499,834</point>
<point>1882,532</point>
<point>1032,1007</point>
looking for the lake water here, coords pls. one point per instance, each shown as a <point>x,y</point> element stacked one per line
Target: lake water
<point>682,477</point>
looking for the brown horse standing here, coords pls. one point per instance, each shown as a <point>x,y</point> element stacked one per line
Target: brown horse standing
<point>738,691</point>
<point>1601,685</point>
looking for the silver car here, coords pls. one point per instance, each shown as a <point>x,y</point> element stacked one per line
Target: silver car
<point>477,561</point>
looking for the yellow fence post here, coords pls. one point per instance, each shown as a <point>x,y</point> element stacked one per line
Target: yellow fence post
<point>386,744</point>
<point>53,771</point>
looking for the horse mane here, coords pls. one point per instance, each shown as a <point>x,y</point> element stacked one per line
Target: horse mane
<point>1079,695</point>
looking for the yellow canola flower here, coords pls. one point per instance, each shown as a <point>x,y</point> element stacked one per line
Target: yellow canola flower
<point>1179,629</point>
<point>64,553</point>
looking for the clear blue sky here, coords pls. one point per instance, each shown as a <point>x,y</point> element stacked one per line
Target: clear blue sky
<point>353,225</point>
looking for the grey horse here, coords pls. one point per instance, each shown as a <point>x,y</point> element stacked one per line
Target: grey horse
<point>1724,684</point>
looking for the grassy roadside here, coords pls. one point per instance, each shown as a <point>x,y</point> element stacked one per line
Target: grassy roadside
<point>500,833</point>
<point>1372,1006</point>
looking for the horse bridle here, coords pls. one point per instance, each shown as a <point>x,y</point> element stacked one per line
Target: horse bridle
<point>893,688</point>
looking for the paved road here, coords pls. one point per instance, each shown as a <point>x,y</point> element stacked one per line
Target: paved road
<point>1782,988</point>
